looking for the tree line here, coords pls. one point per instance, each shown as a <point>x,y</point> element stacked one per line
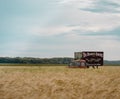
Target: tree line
<point>112,63</point>
<point>30,60</point>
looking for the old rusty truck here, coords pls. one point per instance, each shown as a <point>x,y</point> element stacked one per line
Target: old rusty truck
<point>85,59</point>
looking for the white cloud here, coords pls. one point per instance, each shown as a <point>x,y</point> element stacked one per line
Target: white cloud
<point>77,3</point>
<point>47,31</point>
<point>115,1</point>
<point>87,22</point>
<point>69,18</point>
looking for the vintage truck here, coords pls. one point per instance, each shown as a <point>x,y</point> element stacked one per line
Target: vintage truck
<point>85,59</point>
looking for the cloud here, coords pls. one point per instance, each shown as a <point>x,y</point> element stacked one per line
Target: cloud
<point>96,6</point>
<point>47,31</point>
<point>66,18</point>
<point>77,3</point>
<point>101,6</point>
<point>71,17</point>
<point>86,23</point>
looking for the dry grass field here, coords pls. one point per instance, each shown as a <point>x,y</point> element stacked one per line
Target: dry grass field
<point>59,83</point>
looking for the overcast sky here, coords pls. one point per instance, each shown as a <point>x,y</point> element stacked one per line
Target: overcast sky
<point>58,28</point>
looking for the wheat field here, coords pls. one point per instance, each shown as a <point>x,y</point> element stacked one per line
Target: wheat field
<point>59,82</point>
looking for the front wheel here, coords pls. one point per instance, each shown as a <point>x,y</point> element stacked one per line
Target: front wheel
<point>87,66</point>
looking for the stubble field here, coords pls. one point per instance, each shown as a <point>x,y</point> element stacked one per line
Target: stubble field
<point>59,82</point>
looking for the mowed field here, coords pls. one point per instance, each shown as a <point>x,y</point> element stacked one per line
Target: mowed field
<point>59,82</point>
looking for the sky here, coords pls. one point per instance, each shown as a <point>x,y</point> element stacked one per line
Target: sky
<point>58,28</point>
